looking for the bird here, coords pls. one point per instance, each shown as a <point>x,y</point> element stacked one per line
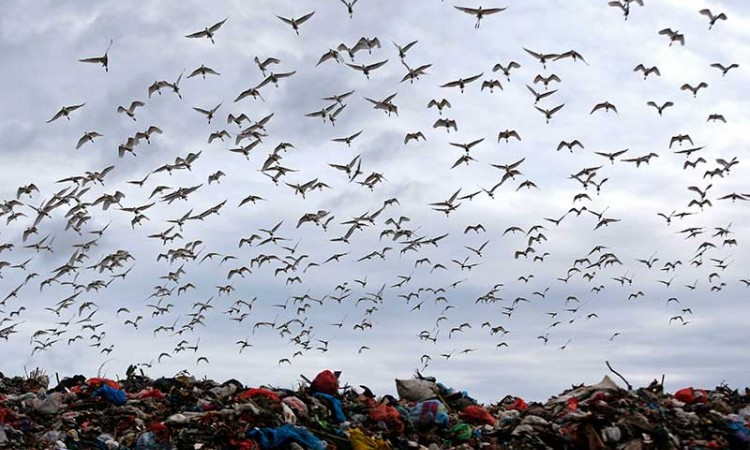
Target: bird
<point>414,136</point>
<point>674,36</point>
<point>660,109</point>
<point>491,84</point>
<point>479,12</point>
<point>539,96</point>
<point>506,69</point>
<point>350,7</point>
<point>440,105</point>
<point>468,146</point>
<point>542,57</point>
<point>295,23</point>
<point>606,106</point>
<point>208,32</point>
<point>103,60</point>
<point>569,145</point>
<point>725,69</point>
<point>446,123</point>
<point>130,110</point>
<point>572,54</point>
<point>462,82</point>
<point>546,80</point>
<point>402,50</point>
<point>210,112</point>
<point>65,112</point>
<point>271,78</point>
<point>366,69</point>
<point>647,70</point>
<point>329,55</point>
<point>624,5</point>
<point>507,134</point>
<point>264,64</point>
<point>549,112</point>
<point>694,89</point>
<point>348,139</point>
<point>202,71</point>
<point>716,117</point>
<point>88,136</point>
<point>711,17</point>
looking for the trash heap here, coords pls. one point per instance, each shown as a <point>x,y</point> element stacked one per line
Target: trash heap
<point>188,413</point>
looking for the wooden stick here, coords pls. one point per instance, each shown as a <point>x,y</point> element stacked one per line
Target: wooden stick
<point>630,387</point>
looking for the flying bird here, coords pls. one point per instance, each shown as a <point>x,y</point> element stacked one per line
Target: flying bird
<point>295,23</point>
<point>65,112</point>
<point>647,70</point>
<point>724,69</point>
<point>606,106</point>
<point>209,113</point>
<point>694,89</point>
<point>674,36</point>
<point>660,109</point>
<point>103,60</point>
<point>479,13</point>
<point>711,17</point>
<point>130,110</point>
<point>208,32</point>
<point>549,112</point>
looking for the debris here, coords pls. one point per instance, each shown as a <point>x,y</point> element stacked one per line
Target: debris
<point>186,413</point>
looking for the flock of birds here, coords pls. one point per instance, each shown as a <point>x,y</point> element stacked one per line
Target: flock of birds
<point>73,295</point>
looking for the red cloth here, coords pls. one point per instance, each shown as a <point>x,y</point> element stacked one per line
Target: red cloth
<point>572,404</point>
<point>98,381</point>
<point>244,444</point>
<point>147,393</point>
<point>519,404</point>
<point>255,392</point>
<point>387,414</point>
<point>689,395</point>
<point>477,415</point>
<point>325,382</point>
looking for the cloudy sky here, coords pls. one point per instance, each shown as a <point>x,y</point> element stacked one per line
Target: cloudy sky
<point>556,332</point>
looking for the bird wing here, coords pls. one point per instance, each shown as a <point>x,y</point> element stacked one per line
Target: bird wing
<point>97,59</point>
<point>467,10</point>
<point>355,67</point>
<point>534,54</point>
<point>217,25</point>
<point>556,108</point>
<point>198,34</point>
<point>305,18</point>
<point>475,77</point>
<point>377,64</point>
<point>285,20</point>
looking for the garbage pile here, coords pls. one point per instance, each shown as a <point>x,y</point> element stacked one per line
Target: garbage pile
<point>187,413</point>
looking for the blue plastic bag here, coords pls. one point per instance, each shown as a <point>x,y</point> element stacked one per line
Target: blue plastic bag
<point>114,396</point>
<point>429,412</point>
<point>272,438</point>
<point>335,403</point>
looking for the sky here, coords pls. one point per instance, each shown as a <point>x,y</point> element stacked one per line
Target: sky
<point>556,329</point>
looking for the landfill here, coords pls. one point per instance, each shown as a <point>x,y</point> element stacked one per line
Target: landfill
<point>325,413</point>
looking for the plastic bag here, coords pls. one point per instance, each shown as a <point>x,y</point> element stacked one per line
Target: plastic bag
<point>360,441</point>
<point>430,412</point>
<point>416,390</point>
<point>326,382</point>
